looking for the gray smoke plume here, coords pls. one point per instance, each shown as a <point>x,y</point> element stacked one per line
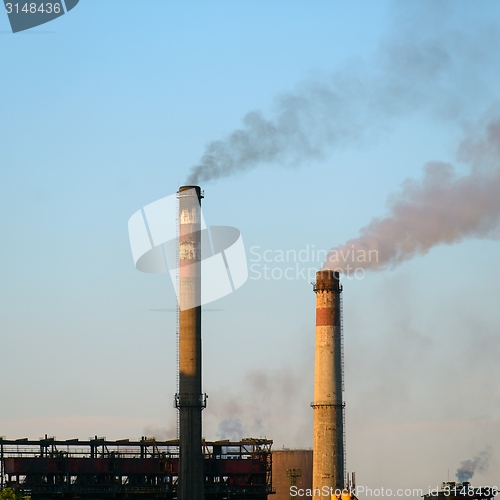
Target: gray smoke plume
<point>273,406</point>
<point>442,207</point>
<point>231,428</point>
<point>415,70</point>
<point>479,463</point>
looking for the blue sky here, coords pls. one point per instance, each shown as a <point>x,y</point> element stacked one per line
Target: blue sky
<point>105,109</point>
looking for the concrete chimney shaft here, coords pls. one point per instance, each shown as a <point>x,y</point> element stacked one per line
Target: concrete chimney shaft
<point>328,442</point>
<point>190,401</point>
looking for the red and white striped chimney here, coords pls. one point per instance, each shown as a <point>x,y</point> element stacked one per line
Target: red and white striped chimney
<point>328,447</point>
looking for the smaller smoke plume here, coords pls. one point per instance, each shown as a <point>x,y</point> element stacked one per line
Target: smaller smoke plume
<point>231,428</point>
<point>479,463</point>
<point>273,406</point>
<point>443,207</point>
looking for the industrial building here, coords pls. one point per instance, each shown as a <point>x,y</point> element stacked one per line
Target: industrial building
<point>49,469</point>
<point>291,468</point>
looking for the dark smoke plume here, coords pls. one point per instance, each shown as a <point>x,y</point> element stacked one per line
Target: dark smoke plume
<point>443,207</point>
<point>479,463</point>
<point>413,72</point>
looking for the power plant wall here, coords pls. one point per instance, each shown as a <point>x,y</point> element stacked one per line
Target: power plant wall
<point>285,460</point>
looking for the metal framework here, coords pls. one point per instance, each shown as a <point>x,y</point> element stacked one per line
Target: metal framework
<point>145,469</point>
<point>341,306</point>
